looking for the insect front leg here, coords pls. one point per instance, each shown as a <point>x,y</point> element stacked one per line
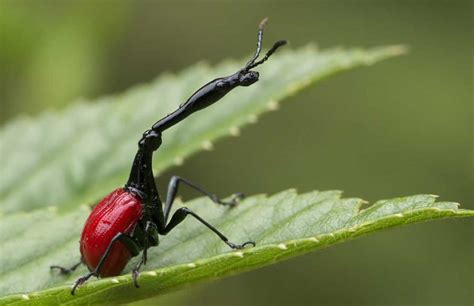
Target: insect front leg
<point>173,190</point>
<point>150,232</point>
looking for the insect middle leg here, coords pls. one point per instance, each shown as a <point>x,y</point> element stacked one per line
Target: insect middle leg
<point>183,212</point>
<point>150,232</point>
<point>180,214</point>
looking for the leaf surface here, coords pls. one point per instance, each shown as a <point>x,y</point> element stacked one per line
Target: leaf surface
<point>284,225</point>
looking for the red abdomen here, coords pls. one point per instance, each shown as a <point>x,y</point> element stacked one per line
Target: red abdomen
<point>118,212</point>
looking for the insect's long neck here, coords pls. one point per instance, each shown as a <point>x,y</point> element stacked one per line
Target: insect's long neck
<point>139,178</point>
<point>141,175</point>
<point>202,98</point>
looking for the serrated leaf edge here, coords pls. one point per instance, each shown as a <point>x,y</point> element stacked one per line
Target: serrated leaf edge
<point>280,251</point>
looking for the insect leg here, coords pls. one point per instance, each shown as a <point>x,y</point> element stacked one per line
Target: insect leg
<point>127,240</point>
<point>63,270</point>
<point>173,190</point>
<point>150,230</point>
<point>259,41</point>
<point>183,212</point>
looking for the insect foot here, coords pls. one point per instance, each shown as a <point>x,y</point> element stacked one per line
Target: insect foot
<point>240,246</point>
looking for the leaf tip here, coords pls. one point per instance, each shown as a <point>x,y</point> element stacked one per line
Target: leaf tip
<point>393,50</point>
<point>400,49</point>
<point>360,204</point>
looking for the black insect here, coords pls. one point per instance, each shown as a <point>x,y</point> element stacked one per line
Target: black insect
<point>130,219</point>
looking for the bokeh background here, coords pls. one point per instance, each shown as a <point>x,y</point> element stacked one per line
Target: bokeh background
<point>401,127</point>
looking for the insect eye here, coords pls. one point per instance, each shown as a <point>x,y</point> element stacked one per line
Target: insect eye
<point>249,78</point>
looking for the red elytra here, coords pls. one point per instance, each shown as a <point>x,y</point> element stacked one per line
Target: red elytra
<point>118,212</point>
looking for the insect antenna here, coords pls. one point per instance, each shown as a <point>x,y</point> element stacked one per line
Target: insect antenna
<point>259,42</point>
<point>251,64</point>
<point>272,50</point>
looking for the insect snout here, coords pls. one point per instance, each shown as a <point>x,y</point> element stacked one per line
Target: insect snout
<point>248,78</point>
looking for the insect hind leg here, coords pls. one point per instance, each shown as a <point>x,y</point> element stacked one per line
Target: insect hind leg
<point>125,239</point>
<point>64,270</point>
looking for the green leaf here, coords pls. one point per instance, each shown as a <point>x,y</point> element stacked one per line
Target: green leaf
<point>283,225</point>
<point>77,155</point>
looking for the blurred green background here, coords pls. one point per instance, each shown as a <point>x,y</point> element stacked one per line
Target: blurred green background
<point>398,128</point>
